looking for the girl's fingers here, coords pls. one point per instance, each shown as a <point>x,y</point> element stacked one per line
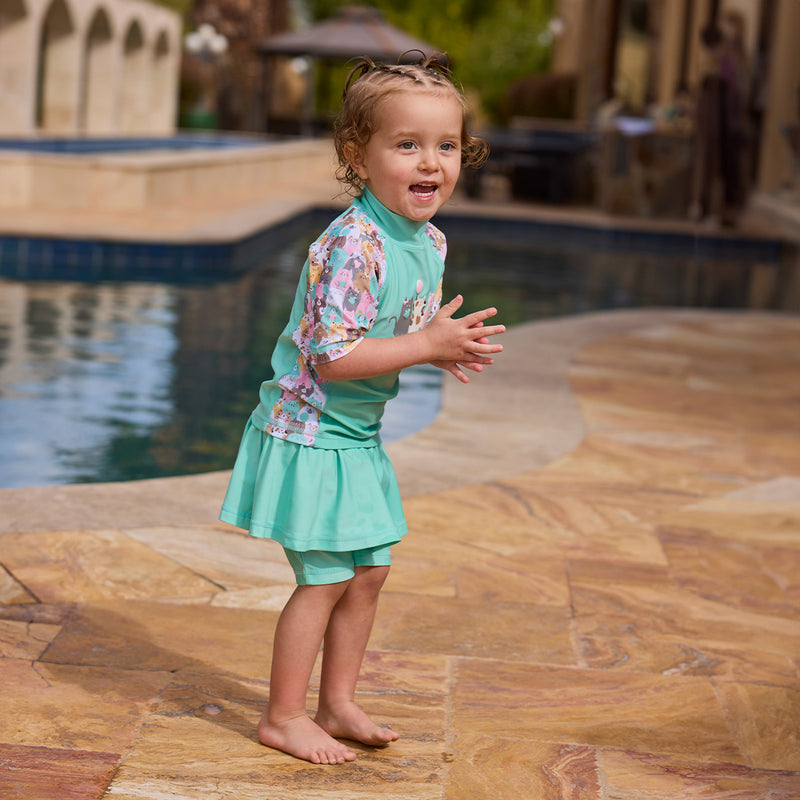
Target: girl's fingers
<point>484,331</point>
<point>477,317</point>
<point>448,309</point>
<point>455,370</point>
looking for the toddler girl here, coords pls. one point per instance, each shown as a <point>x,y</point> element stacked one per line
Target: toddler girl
<point>311,472</point>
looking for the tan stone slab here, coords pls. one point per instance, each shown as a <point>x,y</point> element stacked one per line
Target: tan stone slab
<point>668,636</point>
<point>631,776</point>
<point>12,591</point>
<point>700,393</point>
<point>625,643</point>
<point>649,354</point>
<point>765,722</point>
<point>38,613</point>
<point>262,598</point>
<point>139,635</point>
<point>578,494</point>
<point>202,732</point>
<point>547,519</point>
<point>92,565</point>
<point>453,626</point>
<point>432,564</point>
<point>681,474</point>
<point>228,557</point>
<point>529,578</point>
<point>383,674</point>
<point>733,572</point>
<point>414,575</point>
<point>633,542</point>
<point>343,782</point>
<point>471,523</point>
<point>412,673</point>
<point>775,453</point>
<point>96,709</point>
<point>662,612</point>
<point>782,491</point>
<point>24,639</point>
<point>670,448</point>
<point>43,773</point>
<point>105,506</point>
<point>671,461</point>
<point>642,712</point>
<point>780,494</point>
<point>496,767</point>
<point>739,521</point>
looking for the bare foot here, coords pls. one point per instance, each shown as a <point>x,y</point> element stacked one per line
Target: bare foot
<point>303,738</point>
<point>348,721</point>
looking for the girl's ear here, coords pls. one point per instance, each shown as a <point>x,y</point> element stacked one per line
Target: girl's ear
<point>355,157</point>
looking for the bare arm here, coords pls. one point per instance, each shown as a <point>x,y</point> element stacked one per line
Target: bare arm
<point>445,342</point>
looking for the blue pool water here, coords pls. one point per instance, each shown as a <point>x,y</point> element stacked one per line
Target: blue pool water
<point>107,378</point>
<point>127,144</point>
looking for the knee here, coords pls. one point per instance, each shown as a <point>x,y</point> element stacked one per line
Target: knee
<point>369,580</point>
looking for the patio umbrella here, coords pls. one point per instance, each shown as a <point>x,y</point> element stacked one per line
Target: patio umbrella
<point>353,31</point>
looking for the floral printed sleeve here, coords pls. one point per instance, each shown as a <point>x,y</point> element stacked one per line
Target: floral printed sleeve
<point>344,278</point>
<point>437,240</point>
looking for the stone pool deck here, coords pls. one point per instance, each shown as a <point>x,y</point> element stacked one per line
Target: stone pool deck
<point>599,598</point>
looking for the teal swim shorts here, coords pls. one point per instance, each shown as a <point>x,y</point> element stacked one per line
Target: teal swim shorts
<point>318,567</point>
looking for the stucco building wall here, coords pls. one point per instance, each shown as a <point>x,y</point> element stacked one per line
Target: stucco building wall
<point>88,67</point>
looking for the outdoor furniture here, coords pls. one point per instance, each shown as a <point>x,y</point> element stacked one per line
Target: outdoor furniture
<point>544,161</point>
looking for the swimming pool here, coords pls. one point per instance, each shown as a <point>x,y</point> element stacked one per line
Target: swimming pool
<point>104,378</point>
<point>90,145</point>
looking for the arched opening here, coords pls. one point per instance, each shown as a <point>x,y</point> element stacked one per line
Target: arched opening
<point>162,85</point>
<point>59,62</point>
<point>13,65</point>
<point>134,94</point>
<point>11,11</point>
<point>98,78</point>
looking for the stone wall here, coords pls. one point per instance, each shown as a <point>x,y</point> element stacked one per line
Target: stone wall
<point>159,180</point>
<point>88,67</point>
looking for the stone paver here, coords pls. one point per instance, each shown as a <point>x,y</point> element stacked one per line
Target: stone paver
<point>599,598</point>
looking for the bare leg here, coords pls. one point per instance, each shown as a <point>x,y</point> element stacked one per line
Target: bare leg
<point>346,640</point>
<point>286,725</point>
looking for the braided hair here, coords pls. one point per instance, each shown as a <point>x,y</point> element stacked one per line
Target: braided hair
<point>367,84</point>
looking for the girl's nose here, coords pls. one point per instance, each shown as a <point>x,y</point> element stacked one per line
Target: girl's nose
<point>428,160</point>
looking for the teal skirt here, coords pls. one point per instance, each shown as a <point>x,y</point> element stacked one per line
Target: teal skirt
<point>310,498</point>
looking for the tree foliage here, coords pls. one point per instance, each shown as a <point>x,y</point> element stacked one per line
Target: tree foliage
<point>183,7</point>
<point>490,44</point>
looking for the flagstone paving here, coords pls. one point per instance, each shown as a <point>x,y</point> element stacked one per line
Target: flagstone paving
<point>599,598</point>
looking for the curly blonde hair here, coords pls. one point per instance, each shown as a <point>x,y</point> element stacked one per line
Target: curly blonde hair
<point>367,84</point>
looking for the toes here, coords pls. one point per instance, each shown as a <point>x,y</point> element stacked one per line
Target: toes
<point>333,756</point>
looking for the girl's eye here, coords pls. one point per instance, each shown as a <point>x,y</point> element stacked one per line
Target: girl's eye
<point>448,146</point>
<point>407,145</point>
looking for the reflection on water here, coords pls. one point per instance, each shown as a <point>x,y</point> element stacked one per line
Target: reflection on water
<point>120,381</point>
<point>81,368</point>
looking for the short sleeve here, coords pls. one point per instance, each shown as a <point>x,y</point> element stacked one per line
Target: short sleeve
<point>345,269</point>
<point>437,240</point>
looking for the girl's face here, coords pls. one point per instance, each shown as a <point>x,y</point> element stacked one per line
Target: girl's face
<point>412,160</point>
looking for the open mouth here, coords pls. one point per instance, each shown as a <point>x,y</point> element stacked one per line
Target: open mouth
<point>424,190</point>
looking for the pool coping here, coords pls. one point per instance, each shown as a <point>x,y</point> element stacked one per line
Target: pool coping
<point>519,415</point>
<point>35,254</point>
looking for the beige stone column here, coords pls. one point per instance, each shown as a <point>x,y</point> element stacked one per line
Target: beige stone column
<point>583,49</point>
<point>775,166</point>
<point>19,41</point>
<point>567,46</point>
<point>670,51</point>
